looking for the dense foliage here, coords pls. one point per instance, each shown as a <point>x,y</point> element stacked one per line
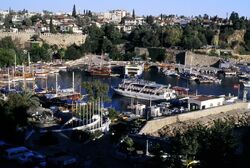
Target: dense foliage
<point>96,90</point>
<point>8,50</point>
<point>222,145</point>
<point>13,111</point>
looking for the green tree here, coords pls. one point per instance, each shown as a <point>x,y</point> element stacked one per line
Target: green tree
<point>36,18</point>
<point>6,57</point>
<point>172,36</point>
<point>133,14</point>
<point>191,42</point>
<point>210,145</point>
<point>113,114</point>
<point>150,20</point>
<point>73,52</point>
<point>247,39</point>
<point>157,54</point>
<point>7,43</point>
<point>18,104</point>
<point>27,22</point>
<point>38,53</point>
<point>106,45</point>
<point>115,54</point>
<point>61,53</point>
<point>112,33</point>
<point>74,11</point>
<point>8,21</point>
<point>96,89</point>
<point>51,26</point>
<point>128,144</point>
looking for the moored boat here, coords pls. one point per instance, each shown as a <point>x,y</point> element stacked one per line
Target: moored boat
<point>146,90</point>
<point>99,71</point>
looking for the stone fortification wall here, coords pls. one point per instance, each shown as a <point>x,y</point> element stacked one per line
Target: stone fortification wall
<point>154,125</point>
<point>21,38</point>
<point>192,59</point>
<point>61,40</point>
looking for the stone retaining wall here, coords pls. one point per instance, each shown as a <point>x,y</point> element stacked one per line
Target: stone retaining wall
<point>154,125</point>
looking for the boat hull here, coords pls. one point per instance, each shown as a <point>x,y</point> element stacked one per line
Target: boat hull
<point>140,95</point>
<point>247,85</point>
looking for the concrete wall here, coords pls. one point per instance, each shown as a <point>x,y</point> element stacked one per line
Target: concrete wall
<point>61,40</point>
<point>199,59</point>
<point>154,125</point>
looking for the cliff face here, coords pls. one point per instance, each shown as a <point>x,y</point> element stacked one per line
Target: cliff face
<point>238,36</point>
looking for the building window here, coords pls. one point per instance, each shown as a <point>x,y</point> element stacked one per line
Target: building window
<point>211,105</point>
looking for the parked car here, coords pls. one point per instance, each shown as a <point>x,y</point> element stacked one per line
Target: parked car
<point>14,152</point>
<point>25,158</point>
<point>65,161</point>
<point>39,159</point>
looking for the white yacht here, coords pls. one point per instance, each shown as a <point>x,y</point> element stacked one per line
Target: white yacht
<point>246,84</point>
<point>145,90</point>
<point>134,70</point>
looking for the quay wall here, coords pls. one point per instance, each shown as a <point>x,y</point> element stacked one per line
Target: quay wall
<point>154,125</point>
<point>61,40</point>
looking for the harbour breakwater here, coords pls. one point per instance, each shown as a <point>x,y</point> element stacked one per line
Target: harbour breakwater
<point>156,124</point>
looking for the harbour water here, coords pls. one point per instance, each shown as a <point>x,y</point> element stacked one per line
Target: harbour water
<point>120,103</point>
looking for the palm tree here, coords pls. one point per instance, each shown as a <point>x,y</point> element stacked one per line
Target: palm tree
<point>18,104</point>
<point>29,100</point>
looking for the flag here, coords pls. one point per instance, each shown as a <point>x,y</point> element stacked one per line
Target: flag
<point>236,86</point>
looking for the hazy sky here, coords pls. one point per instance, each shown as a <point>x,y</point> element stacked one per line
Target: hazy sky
<point>142,7</point>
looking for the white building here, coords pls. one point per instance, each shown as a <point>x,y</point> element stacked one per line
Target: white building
<point>155,111</point>
<point>201,102</point>
<point>134,70</point>
<point>114,16</point>
<point>140,109</point>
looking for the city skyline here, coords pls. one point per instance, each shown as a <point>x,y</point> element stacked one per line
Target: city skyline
<point>142,7</point>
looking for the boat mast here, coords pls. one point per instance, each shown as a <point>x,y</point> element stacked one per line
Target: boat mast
<point>29,61</point>
<point>46,83</point>
<point>73,81</point>
<point>13,74</point>
<point>8,79</point>
<point>99,110</point>
<point>24,79</point>
<point>56,84</point>
<point>147,153</point>
<point>15,62</point>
